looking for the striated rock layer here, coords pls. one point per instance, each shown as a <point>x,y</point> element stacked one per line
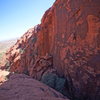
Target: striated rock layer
<point>67,40</point>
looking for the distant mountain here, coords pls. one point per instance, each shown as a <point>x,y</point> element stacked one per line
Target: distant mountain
<point>4,46</point>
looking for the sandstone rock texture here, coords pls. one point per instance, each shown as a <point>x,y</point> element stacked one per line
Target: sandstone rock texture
<point>67,40</point>
<point>23,87</point>
<point>3,76</point>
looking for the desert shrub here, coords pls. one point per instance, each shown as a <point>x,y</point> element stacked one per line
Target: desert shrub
<point>54,81</point>
<point>49,79</point>
<point>21,51</point>
<point>1,55</point>
<point>34,40</point>
<point>60,82</point>
<point>7,65</point>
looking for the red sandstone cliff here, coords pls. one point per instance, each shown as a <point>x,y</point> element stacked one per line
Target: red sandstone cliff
<point>67,40</point>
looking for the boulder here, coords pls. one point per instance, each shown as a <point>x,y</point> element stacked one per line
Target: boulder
<point>23,87</point>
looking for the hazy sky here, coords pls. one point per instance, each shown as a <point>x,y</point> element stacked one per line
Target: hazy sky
<point>17,16</point>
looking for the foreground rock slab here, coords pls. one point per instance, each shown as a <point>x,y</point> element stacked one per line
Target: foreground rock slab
<point>22,87</point>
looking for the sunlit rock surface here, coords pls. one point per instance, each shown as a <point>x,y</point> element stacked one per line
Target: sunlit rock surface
<point>69,34</point>
<point>3,76</point>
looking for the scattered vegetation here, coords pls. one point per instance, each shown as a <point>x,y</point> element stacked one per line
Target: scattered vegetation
<point>55,82</point>
<point>1,57</point>
<point>4,46</point>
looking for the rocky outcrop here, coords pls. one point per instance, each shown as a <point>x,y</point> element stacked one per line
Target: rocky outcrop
<point>69,34</point>
<point>3,76</point>
<point>23,87</point>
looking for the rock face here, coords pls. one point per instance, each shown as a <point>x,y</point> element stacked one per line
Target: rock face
<point>3,76</point>
<point>23,87</point>
<point>67,40</point>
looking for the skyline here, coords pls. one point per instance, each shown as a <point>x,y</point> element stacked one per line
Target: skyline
<point>17,16</point>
